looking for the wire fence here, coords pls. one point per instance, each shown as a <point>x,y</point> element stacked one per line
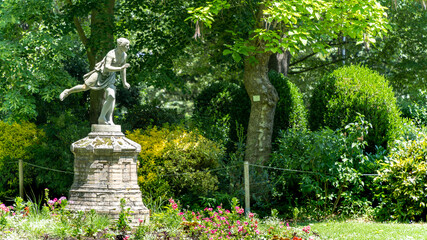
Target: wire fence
<point>245,166</point>
<point>202,171</point>
<point>41,167</point>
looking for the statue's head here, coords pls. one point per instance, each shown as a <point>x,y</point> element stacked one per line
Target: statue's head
<point>122,42</point>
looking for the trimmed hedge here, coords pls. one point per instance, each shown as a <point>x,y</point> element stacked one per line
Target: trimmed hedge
<point>350,90</point>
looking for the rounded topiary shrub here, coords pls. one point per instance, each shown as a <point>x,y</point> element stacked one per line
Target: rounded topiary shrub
<point>219,109</point>
<point>290,109</point>
<point>341,95</point>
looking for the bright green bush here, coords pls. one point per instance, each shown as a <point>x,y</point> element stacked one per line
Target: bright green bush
<point>327,165</point>
<point>16,142</point>
<point>401,184</point>
<point>172,162</point>
<point>350,90</point>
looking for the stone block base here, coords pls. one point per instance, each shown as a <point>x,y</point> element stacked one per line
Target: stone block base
<point>105,172</point>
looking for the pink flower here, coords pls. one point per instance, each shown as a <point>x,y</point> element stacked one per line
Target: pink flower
<point>306,229</point>
<point>257,231</point>
<point>140,220</point>
<point>174,206</point>
<point>181,213</point>
<point>126,238</point>
<point>251,215</point>
<point>61,199</point>
<point>171,200</point>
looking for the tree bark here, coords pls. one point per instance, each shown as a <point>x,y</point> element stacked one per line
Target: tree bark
<point>101,41</point>
<point>263,98</point>
<point>280,62</point>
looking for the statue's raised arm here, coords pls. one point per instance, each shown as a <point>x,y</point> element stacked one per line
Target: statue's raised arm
<point>103,77</point>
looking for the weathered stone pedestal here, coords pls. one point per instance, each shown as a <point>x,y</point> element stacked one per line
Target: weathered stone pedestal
<point>105,172</point>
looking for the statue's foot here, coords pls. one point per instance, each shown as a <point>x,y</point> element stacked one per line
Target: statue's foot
<point>102,121</point>
<point>64,94</point>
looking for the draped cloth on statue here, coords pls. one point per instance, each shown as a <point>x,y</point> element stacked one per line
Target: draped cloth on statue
<point>99,78</point>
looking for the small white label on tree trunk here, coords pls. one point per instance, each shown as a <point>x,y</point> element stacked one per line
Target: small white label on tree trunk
<point>256,98</point>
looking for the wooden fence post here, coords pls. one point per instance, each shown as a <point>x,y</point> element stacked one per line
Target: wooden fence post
<point>247,188</point>
<point>21,179</point>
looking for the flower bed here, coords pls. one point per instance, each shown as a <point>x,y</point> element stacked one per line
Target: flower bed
<point>26,220</point>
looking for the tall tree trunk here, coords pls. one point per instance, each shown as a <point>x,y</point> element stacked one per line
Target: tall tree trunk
<point>263,98</point>
<point>101,41</point>
<point>280,62</point>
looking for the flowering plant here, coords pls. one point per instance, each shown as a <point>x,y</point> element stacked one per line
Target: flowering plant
<point>220,223</point>
<point>55,205</point>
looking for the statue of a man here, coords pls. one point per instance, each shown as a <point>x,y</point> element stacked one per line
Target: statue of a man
<point>103,77</point>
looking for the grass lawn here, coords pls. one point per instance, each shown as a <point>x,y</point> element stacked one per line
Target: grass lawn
<point>370,230</point>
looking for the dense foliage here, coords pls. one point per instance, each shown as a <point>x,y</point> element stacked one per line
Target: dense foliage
<point>220,109</point>
<point>290,109</point>
<point>326,168</point>
<point>401,182</point>
<point>17,141</point>
<point>173,161</point>
<point>342,95</point>
<point>223,107</point>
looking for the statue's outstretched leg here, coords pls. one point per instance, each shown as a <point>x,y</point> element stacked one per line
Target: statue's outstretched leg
<point>106,116</point>
<point>78,88</point>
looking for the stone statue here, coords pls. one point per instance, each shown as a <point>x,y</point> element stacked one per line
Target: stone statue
<point>103,77</point>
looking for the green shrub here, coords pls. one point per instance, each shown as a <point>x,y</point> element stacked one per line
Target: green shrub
<point>401,184</point>
<point>219,109</point>
<point>347,91</point>
<point>328,165</point>
<point>415,108</point>
<point>54,152</point>
<point>150,114</point>
<point>290,109</point>
<point>172,161</point>
<point>16,142</point>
